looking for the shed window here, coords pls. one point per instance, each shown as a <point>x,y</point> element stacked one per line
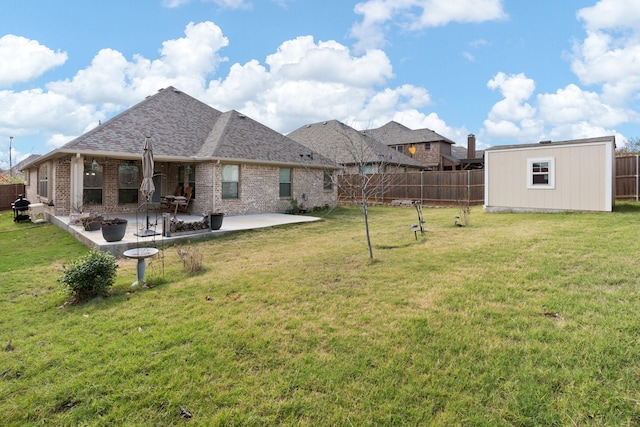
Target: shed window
<point>541,173</point>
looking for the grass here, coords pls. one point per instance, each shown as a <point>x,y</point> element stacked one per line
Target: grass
<point>517,319</point>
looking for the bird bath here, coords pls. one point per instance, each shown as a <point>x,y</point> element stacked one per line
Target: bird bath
<point>140,254</point>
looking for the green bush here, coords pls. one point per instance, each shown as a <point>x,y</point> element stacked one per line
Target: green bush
<point>90,275</point>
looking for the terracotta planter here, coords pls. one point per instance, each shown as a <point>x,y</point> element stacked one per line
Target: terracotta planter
<point>215,220</point>
<point>114,230</point>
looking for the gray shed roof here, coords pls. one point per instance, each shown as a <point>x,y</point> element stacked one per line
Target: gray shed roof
<point>394,133</point>
<point>345,145</point>
<point>185,129</point>
<point>543,144</point>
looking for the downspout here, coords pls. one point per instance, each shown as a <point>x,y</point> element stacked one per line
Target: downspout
<point>213,189</point>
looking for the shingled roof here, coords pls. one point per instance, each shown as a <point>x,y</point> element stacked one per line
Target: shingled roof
<point>185,129</point>
<point>394,133</point>
<point>347,146</point>
<point>238,137</point>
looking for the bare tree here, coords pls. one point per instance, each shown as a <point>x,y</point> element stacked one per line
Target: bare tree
<point>631,146</point>
<point>368,165</point>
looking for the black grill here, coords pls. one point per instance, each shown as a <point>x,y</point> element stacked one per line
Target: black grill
<point>20,209</point>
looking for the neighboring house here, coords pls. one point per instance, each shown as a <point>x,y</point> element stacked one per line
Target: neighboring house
<point>356,151</point>
<point>233,163</point>
<point>469,157</point>
<point>422,145</point>
<point>576,175</point>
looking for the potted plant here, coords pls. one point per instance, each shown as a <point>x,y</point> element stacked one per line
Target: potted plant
<point>91,222</point>
<point>215,220</point>
<point>113,229</point>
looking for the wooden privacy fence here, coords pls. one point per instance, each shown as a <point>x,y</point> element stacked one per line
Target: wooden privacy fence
<point>8,194</point>
<point>431,188</point>
<point>454,187</point>
<point>628,177</point>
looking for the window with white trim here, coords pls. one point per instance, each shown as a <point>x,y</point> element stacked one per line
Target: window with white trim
<point>541,173</point>
<point>230,181</point>
<point>327,180</point>
<point>43,181</point>
<point>285,182</point>
<point>92,184</point>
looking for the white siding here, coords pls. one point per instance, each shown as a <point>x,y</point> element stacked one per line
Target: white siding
<point>583,178</point>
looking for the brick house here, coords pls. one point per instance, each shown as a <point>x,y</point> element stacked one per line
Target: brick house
<point>422,145</point>
<point>233,163</point>
<point>354,150</point>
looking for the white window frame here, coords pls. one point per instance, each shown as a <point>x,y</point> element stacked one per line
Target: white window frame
<point>551,184</point>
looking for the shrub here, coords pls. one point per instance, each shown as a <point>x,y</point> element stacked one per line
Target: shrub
<point>191,259</point>
<point>90,275</point>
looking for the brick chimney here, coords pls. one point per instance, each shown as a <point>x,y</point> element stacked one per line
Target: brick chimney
<point>471,146</point>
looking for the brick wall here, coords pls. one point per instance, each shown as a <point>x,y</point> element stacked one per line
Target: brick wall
<point>259,188</point>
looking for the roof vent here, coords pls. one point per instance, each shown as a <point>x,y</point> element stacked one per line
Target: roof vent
<point>545,142</point>
<point>242,116</point>
<point>324,123</point>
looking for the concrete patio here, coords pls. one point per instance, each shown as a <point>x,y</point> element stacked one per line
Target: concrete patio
<point>137,222</point>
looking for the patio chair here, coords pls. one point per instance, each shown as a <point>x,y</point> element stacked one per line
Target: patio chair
<point>183,205</point>
<point>165,204</point>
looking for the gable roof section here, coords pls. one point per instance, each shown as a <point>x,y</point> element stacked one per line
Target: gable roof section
<point>345,145</point>
<point>236,137</point>
<point>185,129</point>
<point>176,122</point>
<point>394,133</point>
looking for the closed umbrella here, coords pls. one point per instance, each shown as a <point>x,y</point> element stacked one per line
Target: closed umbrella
<point>147,188</point>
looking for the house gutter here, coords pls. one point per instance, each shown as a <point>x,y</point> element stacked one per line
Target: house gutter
<point>177,159</point>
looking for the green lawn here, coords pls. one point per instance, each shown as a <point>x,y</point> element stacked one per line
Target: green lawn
<point>518,319</point>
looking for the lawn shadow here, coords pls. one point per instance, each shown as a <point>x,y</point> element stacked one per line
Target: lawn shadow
<point>627,207</point>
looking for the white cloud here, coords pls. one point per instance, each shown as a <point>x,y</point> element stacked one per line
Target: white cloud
<point>303,81</point>
<point>36,109</point>
<point>611,14</point>
<point>573,105</point>
<point>184,62</point>
<point>24,59</point>
<point>515,89</point>
<point>229,4</point>
<point>303,59</point>
<point>306,81</point>
<point>376,14</point>
<point>512,117</point>
<point>610,53</point>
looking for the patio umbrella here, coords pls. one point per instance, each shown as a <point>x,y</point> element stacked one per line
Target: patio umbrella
<point>147,188</point>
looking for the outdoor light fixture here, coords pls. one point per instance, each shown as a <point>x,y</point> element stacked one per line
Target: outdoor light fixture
<point>94,165</point>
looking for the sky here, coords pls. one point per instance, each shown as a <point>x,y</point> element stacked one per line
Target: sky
<point>508,71</point>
